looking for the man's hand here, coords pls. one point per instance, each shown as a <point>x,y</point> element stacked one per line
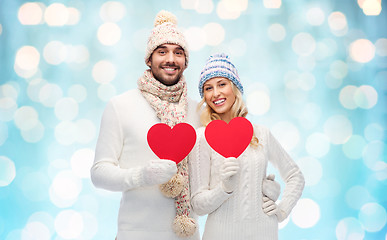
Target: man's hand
<point>158,172</point>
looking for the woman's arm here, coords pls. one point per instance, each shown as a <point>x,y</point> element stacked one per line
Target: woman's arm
<point>290,173</point>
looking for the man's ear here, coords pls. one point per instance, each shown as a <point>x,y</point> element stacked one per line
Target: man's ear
<point>148,63</point>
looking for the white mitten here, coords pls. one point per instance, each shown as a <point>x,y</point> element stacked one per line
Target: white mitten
<point>270,208</point>
<point>228,172</point>
<point>271,188</point>
<point>158,172</point>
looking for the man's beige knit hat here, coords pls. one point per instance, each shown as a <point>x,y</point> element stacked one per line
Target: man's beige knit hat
<point>165,31</point>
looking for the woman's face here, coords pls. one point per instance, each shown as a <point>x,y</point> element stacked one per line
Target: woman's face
<point>219,96</point>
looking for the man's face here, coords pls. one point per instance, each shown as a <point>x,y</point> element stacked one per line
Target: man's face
<point>167,63</point>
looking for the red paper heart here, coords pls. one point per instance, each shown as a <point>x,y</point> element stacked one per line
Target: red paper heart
<point>229,140</point>
<point>171,143</point>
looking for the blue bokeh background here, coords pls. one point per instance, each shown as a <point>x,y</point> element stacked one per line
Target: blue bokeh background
<point>314,72</point>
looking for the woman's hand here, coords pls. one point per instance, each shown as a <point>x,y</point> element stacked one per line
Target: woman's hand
<point>271,188</point>
<point>228,172</point>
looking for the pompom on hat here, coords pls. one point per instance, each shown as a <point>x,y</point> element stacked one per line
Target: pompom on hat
<point>165,31</point>
<point>219,65</point>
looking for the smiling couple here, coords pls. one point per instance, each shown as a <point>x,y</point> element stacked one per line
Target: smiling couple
<point>161,199</point>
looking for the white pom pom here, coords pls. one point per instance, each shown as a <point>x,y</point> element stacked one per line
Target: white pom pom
<point>184,226</point>
<point>165,16</point>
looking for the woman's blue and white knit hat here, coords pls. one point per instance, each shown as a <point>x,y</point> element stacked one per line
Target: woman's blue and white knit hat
<point>219,65</point>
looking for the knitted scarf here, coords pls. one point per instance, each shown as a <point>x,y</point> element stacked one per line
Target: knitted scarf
<point>170,104</point>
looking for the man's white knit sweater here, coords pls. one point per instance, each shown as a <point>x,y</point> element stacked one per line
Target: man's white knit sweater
<point>122,149</point>
<point>239,215</point>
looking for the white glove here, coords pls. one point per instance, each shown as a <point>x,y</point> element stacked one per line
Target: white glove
<point>270,208</point>
<point>228,172</point>
<point>158,172</point>
<point>271,188</point>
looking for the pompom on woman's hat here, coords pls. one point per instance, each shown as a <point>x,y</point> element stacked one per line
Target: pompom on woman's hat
<point>165,31</point>
<point>219,65</point>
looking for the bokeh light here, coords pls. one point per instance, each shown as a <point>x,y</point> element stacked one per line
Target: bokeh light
<point>338,23</point>
<point>69,224</point>
<point>313,72</point>
<point>81,162</point>
<point>362,50</point>
<point>31,13</point>
<point>371,7</point>
<point>196,38</point>
<point>317,144</point>
<point>338,128</point>
<point>77,92</point>
<point>306,213</point>
<point>204,6</point>
<point>231,9</point>
<point>65,189</point>
<point>354,147</point>
<point>7,170</point>
<point>8,108</point>
<point>357,196</point>
<point>50,94</point>
<point>109,33</point>
<point>56,15</point>
<point>287,134</point>
<point>258,102</point>
<point>303,44</point>
<point>26,118</point>
<point>312,170</point>
<point>276,32</point>
<point>373,217</point>
<point>35,230</point>
<point>381,47</point>
<point>349,229</point>
<point>315,16</point>
<point>55,52</point>
<point>74,16</point>
<point>214,34</point>
<point>112,11</point>
<point>26,61</point>
<point>272,3</point>
<point>104,71</point>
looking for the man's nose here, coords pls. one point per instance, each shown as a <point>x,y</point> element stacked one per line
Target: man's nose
<point>170,57</point>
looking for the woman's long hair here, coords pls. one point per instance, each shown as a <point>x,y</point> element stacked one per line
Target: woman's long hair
<point>238,109</point>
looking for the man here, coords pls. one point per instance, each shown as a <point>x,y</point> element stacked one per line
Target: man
<point>155,192</point>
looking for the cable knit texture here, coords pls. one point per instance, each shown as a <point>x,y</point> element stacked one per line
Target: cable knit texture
<point>122,152</point>
<point>239,215</point>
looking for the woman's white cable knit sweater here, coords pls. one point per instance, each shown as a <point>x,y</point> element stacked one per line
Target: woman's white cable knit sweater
<point>239,215</point>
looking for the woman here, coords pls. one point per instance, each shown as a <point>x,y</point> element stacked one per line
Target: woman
<point>231,190</point>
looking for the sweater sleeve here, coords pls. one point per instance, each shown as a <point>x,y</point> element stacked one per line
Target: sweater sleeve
<point>290,173</point>
<point>106,172</point>
<point>203,199</point>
